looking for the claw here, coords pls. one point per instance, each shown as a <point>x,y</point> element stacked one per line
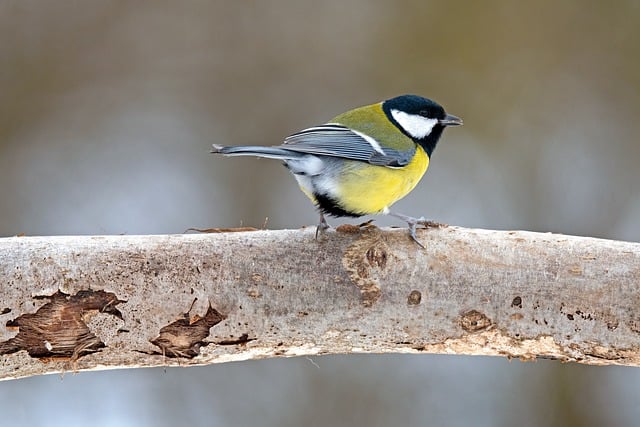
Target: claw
<point>322,226</point>
<point>412,233</point>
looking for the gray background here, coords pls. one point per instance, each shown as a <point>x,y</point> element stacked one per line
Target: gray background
<point>108,110</point>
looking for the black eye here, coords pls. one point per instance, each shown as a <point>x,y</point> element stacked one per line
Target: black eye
<point>423,113</point>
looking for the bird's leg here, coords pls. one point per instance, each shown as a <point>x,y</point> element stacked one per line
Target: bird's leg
<point>322,226</point>
<point>414,222</point>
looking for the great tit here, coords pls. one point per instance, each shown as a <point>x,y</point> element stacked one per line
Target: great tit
<point>364,160</point>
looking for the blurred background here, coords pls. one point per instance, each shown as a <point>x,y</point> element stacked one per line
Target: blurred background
<point>108,110</point>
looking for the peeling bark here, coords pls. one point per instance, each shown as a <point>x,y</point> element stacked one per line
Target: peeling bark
<point>80,303</point>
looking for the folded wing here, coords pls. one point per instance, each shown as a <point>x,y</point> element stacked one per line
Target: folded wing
<point>339,141</point>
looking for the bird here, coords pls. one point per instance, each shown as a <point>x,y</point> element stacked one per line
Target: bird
<point>364,160</point>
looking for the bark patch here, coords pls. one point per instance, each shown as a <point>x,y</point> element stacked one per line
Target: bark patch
<point>517,302</point>
<point>474,321</point>
<point>185,336</point>
<point>59,328</point>
<point>365,261</point>
<point>241,340</point>
<point>414,298</point>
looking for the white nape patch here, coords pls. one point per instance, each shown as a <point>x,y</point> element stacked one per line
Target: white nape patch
<point>372,142</point>
<point>415,125</point>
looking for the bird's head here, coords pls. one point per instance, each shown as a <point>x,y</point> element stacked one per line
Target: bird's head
<point>421,119</point>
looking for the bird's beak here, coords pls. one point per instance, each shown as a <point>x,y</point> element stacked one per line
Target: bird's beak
<point>451,120</point>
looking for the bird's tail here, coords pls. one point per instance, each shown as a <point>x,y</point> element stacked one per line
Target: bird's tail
<point>256,150</point>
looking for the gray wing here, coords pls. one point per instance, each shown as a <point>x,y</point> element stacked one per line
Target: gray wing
<point>339,141</point>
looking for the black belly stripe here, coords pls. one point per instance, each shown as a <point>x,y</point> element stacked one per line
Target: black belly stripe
<point>330,206</point>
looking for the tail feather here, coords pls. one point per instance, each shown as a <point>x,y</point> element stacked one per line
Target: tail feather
<point>256,150</point>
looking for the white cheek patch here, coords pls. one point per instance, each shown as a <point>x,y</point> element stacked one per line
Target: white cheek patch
<point>416,126</point>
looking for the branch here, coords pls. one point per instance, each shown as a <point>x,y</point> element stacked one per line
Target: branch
<point>79,303</point>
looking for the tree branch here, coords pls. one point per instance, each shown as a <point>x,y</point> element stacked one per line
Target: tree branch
<point>76,303</point>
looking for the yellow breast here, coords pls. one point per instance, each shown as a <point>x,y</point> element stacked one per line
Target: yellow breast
<point>367,189</point>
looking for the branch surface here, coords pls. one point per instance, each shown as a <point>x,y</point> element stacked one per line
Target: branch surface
<point>81,302</point>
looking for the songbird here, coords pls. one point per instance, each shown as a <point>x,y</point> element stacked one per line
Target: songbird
<point>362,161</point>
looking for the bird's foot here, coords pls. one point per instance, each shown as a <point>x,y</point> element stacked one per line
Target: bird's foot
<point>413,223</point>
